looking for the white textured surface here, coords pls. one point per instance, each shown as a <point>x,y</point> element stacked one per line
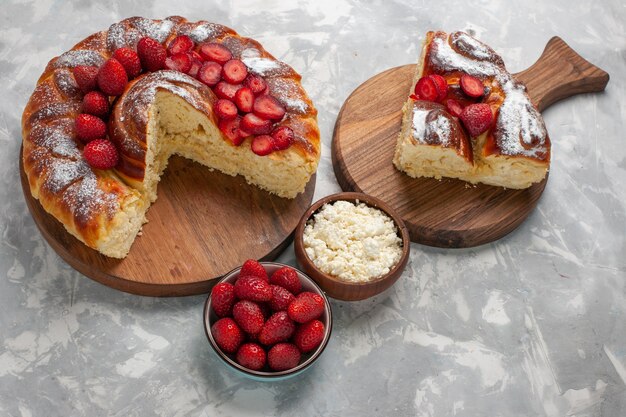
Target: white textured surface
<point>532,325</point>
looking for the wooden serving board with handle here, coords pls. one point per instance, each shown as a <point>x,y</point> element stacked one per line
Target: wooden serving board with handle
<point>445,213</point>
<point>203,225</point>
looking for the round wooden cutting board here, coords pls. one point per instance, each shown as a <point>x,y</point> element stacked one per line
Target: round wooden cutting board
<point>446,213</point>
<point>202,225</point>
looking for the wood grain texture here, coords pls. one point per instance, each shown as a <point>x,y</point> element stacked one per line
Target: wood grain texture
<point>448,213</point>
<point>202,225</point>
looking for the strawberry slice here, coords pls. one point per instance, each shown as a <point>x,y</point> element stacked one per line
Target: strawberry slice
<point>194,55</point>
<point>268,107</point>
<point>151,54</point>
<point>86,77</point>
<point>210,73</point>
<point>225,109</point>
<point>262,145</point>
<point>256,125</point>
<point>442,86</point>
<point>283,137</point>
<point>244,99</point>
<point>196,64</point>
<point>472,86</point>
<point>454,107</point>
<point>256,83</point>
<point>226,90</point>
<point>477,118</point>
<point>230,129</point>
<point>180,45</point>
<point>234,71</point>
<point>426,89</point>
<point>178,62</point>
<point>215,52</point>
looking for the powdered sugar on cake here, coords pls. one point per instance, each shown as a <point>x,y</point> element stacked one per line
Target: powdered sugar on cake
<point>79,57</point>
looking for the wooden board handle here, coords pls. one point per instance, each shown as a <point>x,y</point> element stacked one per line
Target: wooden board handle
<point>560,73</point>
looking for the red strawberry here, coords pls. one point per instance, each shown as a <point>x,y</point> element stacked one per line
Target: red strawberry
<point>196,64</point>
<point>309,335</point>
<point>90,127</point>
<point>129,60</point>
<point>248,316</point>
<point>251,356</point>
<point>215,52</point>
<point>227,334</point>
<point>180,45</point>
<point>210,73</point>
<point>222,298</point>
<point>281,298</point>
<point>283,356</point>
<point>194,55</point>
<point>268,107</point>
<point>262,145</point>
<point>253,289</point>
<point>230,129</point>
<point>442,86</point>
<point>477,118</point>
<point>454,107</point>
<point>256,125</point>
<point>101,154</point>
<point>426,89</point>
<point>256,83</point>
<point>86,77</point>
<point>112,78</point>
<point>226,90</point>
<point>283,137</point>
<point>307,306</point>
<point>254,268</point>
<point>151,54</point>
<point>278,328</point>
<point>472,86</point>
<point>225,109</point>
<point>234,71</point>
<point>244,99</point>
<point>287,278</point>
<point>96,103</point>
<point>178,62</point>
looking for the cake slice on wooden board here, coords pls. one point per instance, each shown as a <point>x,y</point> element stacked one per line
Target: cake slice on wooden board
<point>468,118</point>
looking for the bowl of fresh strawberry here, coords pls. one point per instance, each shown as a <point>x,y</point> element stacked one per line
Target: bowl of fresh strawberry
<point>267,321</point>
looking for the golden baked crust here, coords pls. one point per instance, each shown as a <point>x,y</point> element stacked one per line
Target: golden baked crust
<point>96,205</point>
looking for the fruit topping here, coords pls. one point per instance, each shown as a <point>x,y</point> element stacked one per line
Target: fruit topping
<point>129,60</point>
<point>262,145</point>
<point>222,298</point>
<point>442,86</point>
<point>244,99</point>
<point>287,278</point>
<point>307,306</point>
<point>278,328</point>
<point>234,71</point>
<point>477,118</point>
<point>253,288</point>
<point>227,334</point>
<point>472,86</point>
<point>215,52</point>
<point>180,45</point>
<point>96,103</point>
<point>268,107</point>
<point>178,62</point>
<point>283,356</point>
<point>256,125</point>
<point>254,268</point>
<point>225,109</point>
<point>454,107</point>
<point>86,77</point>
<point>251,356</point>
<point>101,154</point>
<point>112,77</point>
<point>231,129</point>
<point>248,316</point>
<point>196,64</point>
<point>151,54</point>
<point>283,137</point>
<point>309,335</point>
<point>226,90</point>
<point>256,83</point>
<point>90,127</point>
<point>210,73</point>
<point>426,89</point>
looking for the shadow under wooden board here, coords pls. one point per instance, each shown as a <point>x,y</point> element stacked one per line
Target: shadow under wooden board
<point>203,224</point>
<point>447,213</point>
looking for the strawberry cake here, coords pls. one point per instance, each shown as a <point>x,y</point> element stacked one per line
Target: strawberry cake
<point>468,118</point>
<point>106,116</point>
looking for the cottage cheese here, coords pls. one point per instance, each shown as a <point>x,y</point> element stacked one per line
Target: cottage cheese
<point>353,242</point>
